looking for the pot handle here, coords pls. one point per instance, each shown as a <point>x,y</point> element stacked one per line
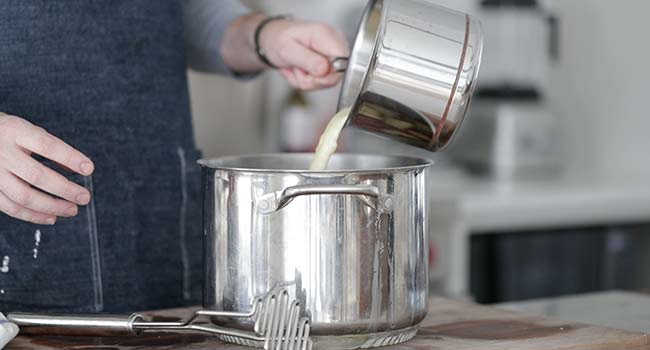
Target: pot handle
<point>340,64</point>
<point>369,194</point>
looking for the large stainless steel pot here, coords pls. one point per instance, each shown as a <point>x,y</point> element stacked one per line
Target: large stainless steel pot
<point>412,71</point>
<point>350,243</point>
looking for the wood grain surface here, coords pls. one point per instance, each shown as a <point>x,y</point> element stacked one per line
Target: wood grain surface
<point>450,325</point>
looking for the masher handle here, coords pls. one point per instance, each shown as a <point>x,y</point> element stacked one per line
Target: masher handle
<point>81,325</point>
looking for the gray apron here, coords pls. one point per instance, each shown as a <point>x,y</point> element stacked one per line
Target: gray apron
<point>109,78</point>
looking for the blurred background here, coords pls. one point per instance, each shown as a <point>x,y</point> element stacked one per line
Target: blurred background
<point>545,191</point>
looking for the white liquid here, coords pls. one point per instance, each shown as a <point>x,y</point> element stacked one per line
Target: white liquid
<point>329,140</point>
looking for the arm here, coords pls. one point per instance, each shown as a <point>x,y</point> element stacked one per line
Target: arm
<point>301,50</point>
<point>221,35</point>
<point>205,23</point>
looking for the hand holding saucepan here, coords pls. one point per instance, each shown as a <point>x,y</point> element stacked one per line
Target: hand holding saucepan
<point>302,51</point>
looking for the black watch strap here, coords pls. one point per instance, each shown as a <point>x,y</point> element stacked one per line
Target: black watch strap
<point>261,54</point>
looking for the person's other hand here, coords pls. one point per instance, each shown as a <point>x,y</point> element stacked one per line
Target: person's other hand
<point>29,190</point>
<point>302,51</point>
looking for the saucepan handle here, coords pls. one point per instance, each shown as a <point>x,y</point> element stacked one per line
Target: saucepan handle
<point>340,64</point>
<point>82,325</point>
<point>369,194</point>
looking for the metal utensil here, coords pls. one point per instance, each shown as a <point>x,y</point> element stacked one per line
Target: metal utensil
<point>351,242</point>
<point>340,64</point>
<point>412,70</point>
<point>278,324</point>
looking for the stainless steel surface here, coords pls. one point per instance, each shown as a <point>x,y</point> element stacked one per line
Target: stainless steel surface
<point>340,64</point>
<point>412,71</point>
<point>277,324</point>
<point>100,325</point>
<point>350,243</point>
<point>368,194</point>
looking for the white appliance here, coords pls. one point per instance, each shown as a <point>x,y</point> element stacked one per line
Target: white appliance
<point>510,130</point>
<point>509,139</point>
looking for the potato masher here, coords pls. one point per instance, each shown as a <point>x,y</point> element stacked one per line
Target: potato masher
<point>278,324</point>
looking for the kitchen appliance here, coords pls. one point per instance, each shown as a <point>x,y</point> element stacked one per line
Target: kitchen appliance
<point>511,131</point>
<point>276,319</point>
<point>509,139</point>
<point>350,243</point>
<point>412,71</point>
<point>524,42</point>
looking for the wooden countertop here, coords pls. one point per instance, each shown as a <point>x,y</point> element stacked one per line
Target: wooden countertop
<point>449,325</point>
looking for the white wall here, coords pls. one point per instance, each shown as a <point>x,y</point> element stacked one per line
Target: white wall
<point>601,88</point>
<point>227,114</point>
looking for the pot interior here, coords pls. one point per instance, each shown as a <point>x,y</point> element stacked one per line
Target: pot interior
<point>299,162</point>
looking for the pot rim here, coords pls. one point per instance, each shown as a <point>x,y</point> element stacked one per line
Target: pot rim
<point>419,163</point>
<point>365,30</point>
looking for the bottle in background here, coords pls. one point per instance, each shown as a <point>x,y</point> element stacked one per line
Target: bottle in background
<point>298,128</point>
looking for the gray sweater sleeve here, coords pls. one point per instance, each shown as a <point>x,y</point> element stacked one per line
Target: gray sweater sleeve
<point>206,22</point>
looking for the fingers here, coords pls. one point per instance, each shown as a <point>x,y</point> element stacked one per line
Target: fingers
<point>19,212</point>
<point>41,142</point>
<point>25,196</point>
<point>296,55</point>
<point>304,80</point>
<point>326,40</point>
<point>22,177</point>
<point>327,81</point>
<point>48,180</point>
<point>301,80</point>
<point>306,57</point>
<point>288,74</point>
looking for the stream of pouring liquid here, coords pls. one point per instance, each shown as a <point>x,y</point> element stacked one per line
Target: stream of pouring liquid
<point>329,140</point>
